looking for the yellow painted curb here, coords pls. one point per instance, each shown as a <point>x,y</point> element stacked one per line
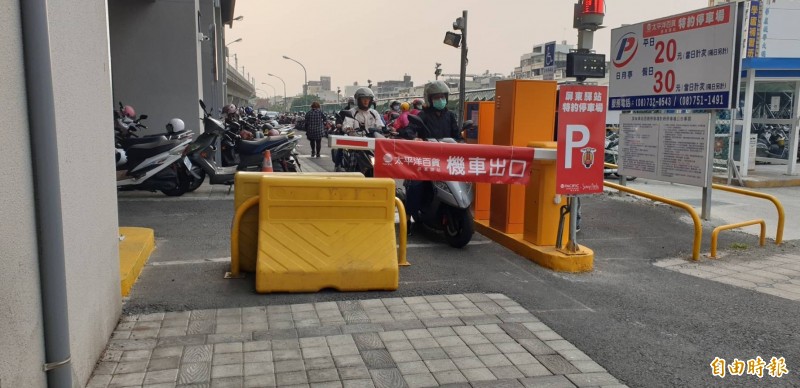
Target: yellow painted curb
<point>134,251</point>
<point>545,256</point>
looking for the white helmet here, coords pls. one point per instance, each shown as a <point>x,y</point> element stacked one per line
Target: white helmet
<point>175,125</point>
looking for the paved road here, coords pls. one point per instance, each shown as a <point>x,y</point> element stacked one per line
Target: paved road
<point>648,326</point>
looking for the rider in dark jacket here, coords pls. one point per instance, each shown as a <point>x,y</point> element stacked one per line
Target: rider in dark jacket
<point>437,118</point>
<point>439,123</point>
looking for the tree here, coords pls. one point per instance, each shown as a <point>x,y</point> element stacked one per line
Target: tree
<point>304,103</point>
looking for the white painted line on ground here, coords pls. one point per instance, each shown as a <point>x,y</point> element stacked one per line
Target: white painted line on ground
<point>434,281</point>
<point>184,262</point>
<point>228,259</point>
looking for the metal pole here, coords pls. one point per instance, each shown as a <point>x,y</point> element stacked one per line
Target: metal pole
<point>305,76</point>
<point>572,244</point>
<point>47,192</point>
<point>462,79</point>
<point>744,151</point>
<point>706,210</point>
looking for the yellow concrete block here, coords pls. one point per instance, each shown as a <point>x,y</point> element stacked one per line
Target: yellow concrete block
<point>248,185</point>
<point>134,251</point>
<point>546,256</point>
<point>318,232</point>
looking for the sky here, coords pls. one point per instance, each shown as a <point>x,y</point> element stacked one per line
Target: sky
<point>381,40</point>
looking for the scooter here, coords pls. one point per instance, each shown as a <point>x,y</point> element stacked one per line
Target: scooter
<point>446,204</point>
<point>152,166</point>
<point>199,152</point>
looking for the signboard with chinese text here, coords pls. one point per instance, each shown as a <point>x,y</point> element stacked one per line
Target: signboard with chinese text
<point>752,36</point>
<point>666,147</point>
<point>780,37</point>
<point>581,139</point>
<point>684,61</point>
<point>433,161</point>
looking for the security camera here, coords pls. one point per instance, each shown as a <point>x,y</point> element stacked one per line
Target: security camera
<point>202,37</point>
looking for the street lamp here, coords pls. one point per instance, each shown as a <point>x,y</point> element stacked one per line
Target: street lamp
<point>274,93</point>
<point>338,95</point>
<point>237,40</point>
<point>284,89</point>
<point>305,77</point>
<point>238,18</point>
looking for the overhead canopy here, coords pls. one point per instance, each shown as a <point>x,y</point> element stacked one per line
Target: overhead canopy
<point>772,67</point>
<point>227,7</point>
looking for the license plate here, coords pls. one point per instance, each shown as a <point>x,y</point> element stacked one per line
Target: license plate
<point>187,163</point>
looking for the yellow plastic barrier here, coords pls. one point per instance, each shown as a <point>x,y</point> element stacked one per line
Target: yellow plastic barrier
<point>715,233</point>
<point>401,212</point>
<point>317,232</point>
<point>241,210</point>
<point>698,226</point>
<point>248,185</point>
<point>775,201</point>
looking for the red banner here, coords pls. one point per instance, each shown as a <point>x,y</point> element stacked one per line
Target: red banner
<point>581,139</point>
<point>432,161</point>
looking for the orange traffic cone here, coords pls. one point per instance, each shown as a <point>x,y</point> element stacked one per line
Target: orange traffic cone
<point>267,164</point>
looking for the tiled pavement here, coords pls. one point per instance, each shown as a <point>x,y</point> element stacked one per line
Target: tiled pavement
<point>777,275</point>
<point>479,340</point>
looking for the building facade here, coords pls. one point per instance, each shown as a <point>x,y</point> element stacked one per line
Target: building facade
<point>531,64</point>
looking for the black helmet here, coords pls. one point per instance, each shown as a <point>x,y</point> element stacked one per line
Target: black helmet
<point>436,87</point>
<point>362,93</point>
<point>393,104</point>
<point>351,101</point>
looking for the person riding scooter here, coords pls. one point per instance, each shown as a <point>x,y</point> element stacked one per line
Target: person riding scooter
<point>436,122</point>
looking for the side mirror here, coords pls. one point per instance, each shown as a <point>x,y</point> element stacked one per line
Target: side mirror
<point>203,105</point>
<point>143,117</point>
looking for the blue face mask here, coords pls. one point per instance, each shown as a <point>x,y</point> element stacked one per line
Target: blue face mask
<point>440,103</point>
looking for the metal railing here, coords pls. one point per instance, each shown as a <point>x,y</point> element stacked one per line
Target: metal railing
<point>771,198</point>
<point>715,233</point>
<point>698,226</point>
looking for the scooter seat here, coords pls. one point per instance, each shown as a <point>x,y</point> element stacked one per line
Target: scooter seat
<point>144,151</point>
<point>132,141</point>
<point>250,147</point>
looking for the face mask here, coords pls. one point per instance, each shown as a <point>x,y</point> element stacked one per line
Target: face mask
<point>418,107</point>
<point>440,103</point>
<point>396,108</point>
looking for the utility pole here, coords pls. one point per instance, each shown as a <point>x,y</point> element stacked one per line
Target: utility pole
<point>462,82</point>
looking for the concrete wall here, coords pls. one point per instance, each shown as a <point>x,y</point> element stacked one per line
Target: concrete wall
<point>156,59</point>
<point>213,87</point>
<point>82,83</point>
<point>22,351</point>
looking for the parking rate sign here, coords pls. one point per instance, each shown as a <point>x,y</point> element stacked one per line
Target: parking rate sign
<point>581,139</point>
<point>684,61</point>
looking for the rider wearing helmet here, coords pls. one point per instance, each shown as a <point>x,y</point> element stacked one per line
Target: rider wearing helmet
<point>402,121</point>
<point>437,118</point>
<point>439,123</point>
<point>416,106</point>
<point>248,111</point>
<point>364,117</point>
<point>393,112</point>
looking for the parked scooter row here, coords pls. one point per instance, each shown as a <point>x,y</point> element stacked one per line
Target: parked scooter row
<point>150,162</point>
<point>773,142</point>
<point>242,155</point>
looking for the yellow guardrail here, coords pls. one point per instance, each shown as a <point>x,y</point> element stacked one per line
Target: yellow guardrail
<point>773,199</point>
<point>237,219</point>
<point>698,229</point>
<point>715,233</point>
<point>401,213</point>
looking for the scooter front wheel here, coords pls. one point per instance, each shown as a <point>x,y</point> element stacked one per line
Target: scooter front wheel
<point>459,227</point>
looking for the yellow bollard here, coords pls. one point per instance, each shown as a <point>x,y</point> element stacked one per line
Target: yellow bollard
<point>715,233</point>
<point>237,219</point>
<point>401,212</point>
